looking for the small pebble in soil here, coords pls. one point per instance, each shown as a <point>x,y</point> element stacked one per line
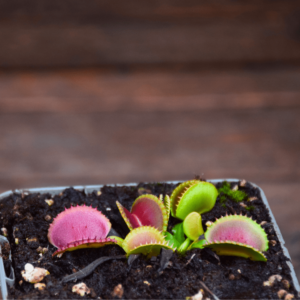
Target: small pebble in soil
<point>49,201</point>
<point>235,188</point>
<point>252,199</point>
<point>48,218</point>
<point>208,223</point>
<point>281,293</point>
<point>243,205</point>
<point>289,297</point>
<point>147,283</point>
<point>272,279</point>
<point>273,243</point>
<point>40,286</point>
<point>263,223</point>
<point>81,289</point>
<point>286,283</point>
<point>198,296</point>
<point>39,249</point>
<point>231,277</point>
<point>243,183</point>
<point>118,291</point>
<point>4,231</point>
<point>32,274</point>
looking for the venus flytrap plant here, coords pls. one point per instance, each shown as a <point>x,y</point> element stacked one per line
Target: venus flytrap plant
<point>188,201</point>
<point>83,227</point>
<point>79,227</point>
<point>147,210</point>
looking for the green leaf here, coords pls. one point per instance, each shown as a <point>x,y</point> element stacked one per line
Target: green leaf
<point>178,232</point>
<point>197,244</point>
<point>172,240</point>
<point>184,246</point>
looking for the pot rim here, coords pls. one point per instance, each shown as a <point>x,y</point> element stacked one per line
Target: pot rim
<point>90,188</point>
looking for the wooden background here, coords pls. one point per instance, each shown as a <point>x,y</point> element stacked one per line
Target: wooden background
<point>131,91</point>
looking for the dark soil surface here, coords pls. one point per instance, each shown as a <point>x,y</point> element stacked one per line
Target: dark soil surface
<point>24,216</point>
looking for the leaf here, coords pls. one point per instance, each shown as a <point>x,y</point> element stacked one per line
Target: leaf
<point>192,226</point>
<point>178,232</point>
<point>197,244</point>
<point>184,247</point>
<point>172,240</point>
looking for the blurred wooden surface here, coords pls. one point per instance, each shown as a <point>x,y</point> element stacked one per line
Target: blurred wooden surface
<point>43,33</point>
<point>151,90</point>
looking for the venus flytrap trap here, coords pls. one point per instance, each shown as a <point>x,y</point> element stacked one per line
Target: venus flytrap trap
<point>147,210</point>
<point>79,227</point>
<point>237,235</point>
<point>193,196</point>
<point>144,240</point>
<point>192,226</point>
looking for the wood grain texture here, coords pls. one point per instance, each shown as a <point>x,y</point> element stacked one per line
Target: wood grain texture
<point>36,33</point>
<point>159,90</point>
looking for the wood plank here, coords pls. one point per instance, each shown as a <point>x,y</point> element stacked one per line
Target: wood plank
<point>37,34</point>
<point>158,90</point>
<point>132,146</point>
